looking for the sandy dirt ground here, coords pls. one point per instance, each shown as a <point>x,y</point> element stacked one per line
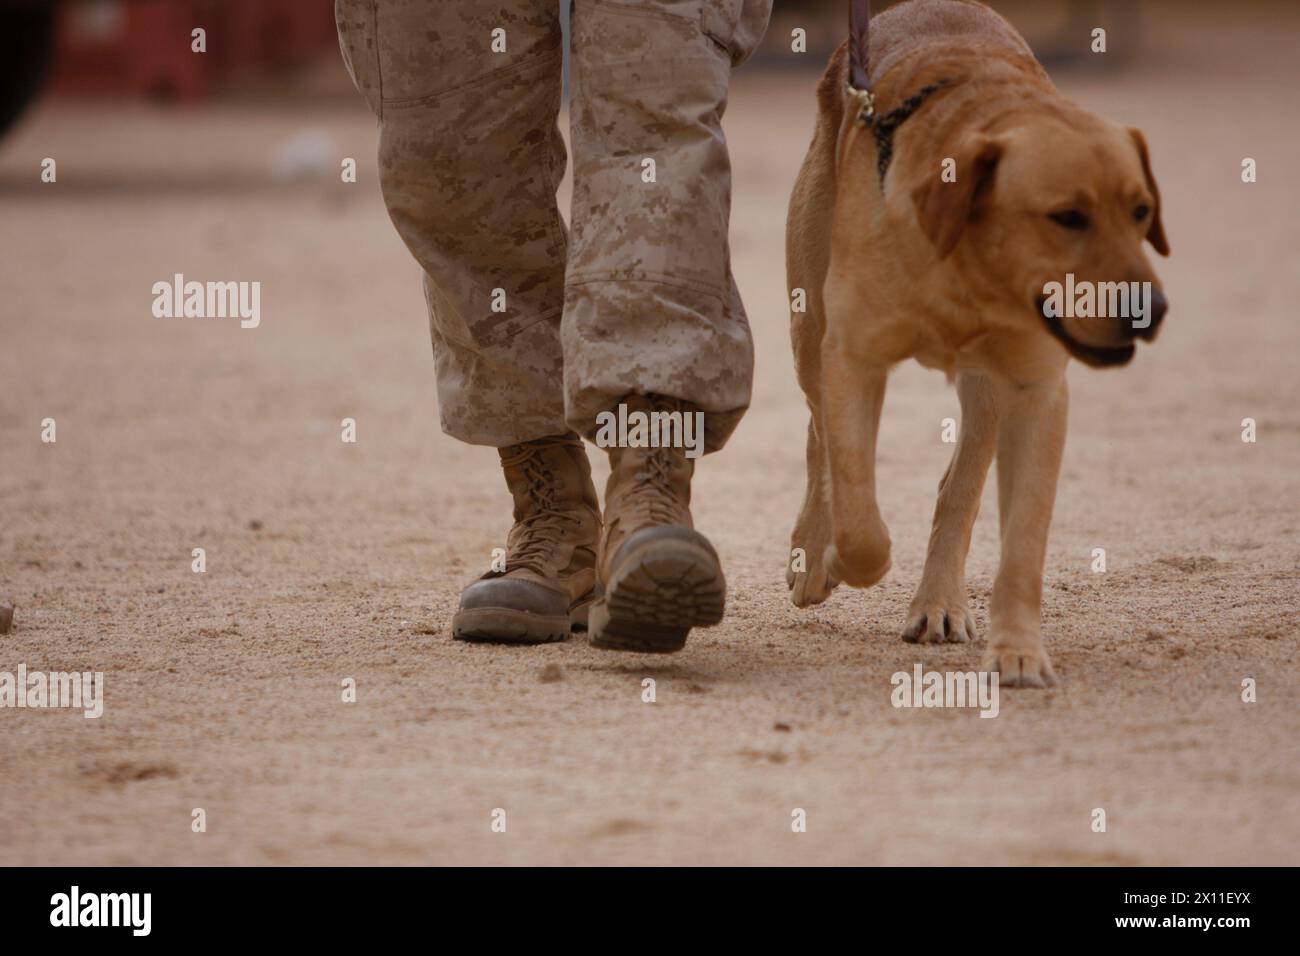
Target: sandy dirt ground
<point>327,561</point>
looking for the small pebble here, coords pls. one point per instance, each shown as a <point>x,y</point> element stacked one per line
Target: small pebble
<point>551,673</point>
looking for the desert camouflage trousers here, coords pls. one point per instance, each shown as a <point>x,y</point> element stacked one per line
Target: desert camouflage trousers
<point>537,329</point>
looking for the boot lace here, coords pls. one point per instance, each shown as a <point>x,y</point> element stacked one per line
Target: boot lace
<point>652,494</point>
<point>544,526</point>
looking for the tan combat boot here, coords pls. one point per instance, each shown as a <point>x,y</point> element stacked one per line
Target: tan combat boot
<point>659,577</point>
<point>549,579</point>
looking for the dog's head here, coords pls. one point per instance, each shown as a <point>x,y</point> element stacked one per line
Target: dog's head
<point>1048,217</point>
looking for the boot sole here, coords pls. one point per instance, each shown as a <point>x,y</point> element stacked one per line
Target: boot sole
<point>658,590</point>
<point>504,625</point>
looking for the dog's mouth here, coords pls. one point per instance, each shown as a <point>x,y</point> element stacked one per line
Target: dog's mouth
<point>1098,356</point>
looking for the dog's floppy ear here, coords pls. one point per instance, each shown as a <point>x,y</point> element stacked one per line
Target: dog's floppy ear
<point>1156,231</point>
<point>943,208</point>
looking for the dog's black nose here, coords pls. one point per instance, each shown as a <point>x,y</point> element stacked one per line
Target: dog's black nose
<point>1156,310</point>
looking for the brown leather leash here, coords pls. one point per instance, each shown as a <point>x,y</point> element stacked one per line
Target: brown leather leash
<point>859,52</point>
<point>859,89</point>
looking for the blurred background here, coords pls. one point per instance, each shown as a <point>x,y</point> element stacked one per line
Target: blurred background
<point>115,49</point>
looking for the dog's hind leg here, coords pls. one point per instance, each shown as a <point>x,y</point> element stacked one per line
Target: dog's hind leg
<point>807,260</point>
<point>806,576</point>
<point>1031,440</point>
<point>853,395</point>
<point>939,612</point>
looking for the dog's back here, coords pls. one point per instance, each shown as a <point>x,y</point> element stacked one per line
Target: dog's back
<point>921,29</point>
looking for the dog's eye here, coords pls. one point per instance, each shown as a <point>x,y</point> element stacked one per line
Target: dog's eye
<point>1141,212</point>
<point>1070,219</point>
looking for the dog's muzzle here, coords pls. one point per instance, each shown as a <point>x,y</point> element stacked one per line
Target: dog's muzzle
<point>1159,305</point>
<point>1096,355</point>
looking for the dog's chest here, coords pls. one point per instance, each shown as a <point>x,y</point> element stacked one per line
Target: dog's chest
<point>945,360</point>
<point>970,350</point>
<point>949,341</point>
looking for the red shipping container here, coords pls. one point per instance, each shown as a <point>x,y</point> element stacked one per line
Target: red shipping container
<point>140,47</point>
<point>272,33</point>
<point>145,47</point>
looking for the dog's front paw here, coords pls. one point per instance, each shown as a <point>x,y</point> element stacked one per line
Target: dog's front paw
<point>939,619</point>
<point>858,568</point>
<point>1021,662</point>
<point>812,585</point>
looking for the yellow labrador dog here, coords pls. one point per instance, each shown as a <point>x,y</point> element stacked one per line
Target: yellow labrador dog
<point>949,195</point>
